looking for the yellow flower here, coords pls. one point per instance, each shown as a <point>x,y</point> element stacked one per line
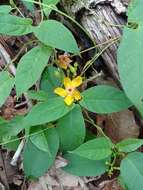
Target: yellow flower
<point>64,61</point>
<point>70,93</point>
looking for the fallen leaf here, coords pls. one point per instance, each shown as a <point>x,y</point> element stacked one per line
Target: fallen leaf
<point>121,125</point>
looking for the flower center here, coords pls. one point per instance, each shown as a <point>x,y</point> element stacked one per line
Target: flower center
<point>70,90</point>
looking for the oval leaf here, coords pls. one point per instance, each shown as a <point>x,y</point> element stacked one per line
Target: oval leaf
<point>12,127</point>
<point>6,84</point>
<point>130,56</point>
<point>38,137</point>
<point>96,149</point>
<point>80,166</point>
<point>30,68</point>
<point>5,9</point>
<point>71,129</point>
<point>104,99</point>
<point>47,10</point>
<point>39,95</point>
<point>41,161</point>
<point>129,145</point>
<point>56,35</point>
<point>46,112</point>
<point>132,171</point>
<point>15,26</point>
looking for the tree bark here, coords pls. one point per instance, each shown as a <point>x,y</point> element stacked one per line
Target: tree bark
<point>104,20</point>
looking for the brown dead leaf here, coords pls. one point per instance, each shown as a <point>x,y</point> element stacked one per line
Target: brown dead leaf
<point>121,125</point>
<point>56,179</point>
<point>8,110</point>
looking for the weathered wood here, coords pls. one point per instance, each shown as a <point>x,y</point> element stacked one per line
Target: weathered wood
<point>104,20</point>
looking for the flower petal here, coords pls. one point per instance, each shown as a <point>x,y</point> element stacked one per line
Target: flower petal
<point>77,81</point>
<point>60,91</point>
<point>67,82</point>
<point>69,100</point>
<point>77,95</point>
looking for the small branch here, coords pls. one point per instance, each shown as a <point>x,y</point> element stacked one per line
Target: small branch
<point>17,153</point>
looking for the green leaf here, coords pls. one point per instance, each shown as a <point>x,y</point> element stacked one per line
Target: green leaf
<point>132,171</point>
<point>15,26</point>
<point>130,56</point>
<point>135,12</point>
<point>122,183</point>
<point>51,79</point>
<point>84,167</point>
<point>39,95</point>
<point>6,84</point>
<point>56,35</point>
<point>71,129</point>
<point>104,99</point>
<point>50,2</point>
<point>30,68</point>
<point>39,138</point>
<point>12,127</point>
<point>46,112</point>
<point>129,145</point>
<point>5,9</point>
<point>12,143</point>
<point>96,149</point>
<point>47,11</point>
<point>41,161</point>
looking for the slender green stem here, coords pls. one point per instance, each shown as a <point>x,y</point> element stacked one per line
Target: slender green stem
<point>24,137</point>
<point>90,62</point>
<point>91,121</point>
<point>98,45</point>
<point>15,7</point>
<point>22,49</point>
<point>93,77</point>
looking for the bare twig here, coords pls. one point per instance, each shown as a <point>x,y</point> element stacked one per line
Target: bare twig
<point>17,153</point>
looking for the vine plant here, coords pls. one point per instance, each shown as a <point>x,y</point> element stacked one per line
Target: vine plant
<point>57,123</point>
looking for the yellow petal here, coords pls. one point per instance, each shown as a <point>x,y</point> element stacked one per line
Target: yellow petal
<point>61,92</point>
<point>77,95</point>
<point>77,81</point>
<point>69,100</point>
<point>67,82</point>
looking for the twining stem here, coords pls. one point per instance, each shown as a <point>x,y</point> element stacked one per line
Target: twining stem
<point>91,121</point>
<point>11,2</point>
<point>93,77</point>
<point>90,62</point>
<point>98,45</point>
<point>22,49</point>
<point>24,137</point>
